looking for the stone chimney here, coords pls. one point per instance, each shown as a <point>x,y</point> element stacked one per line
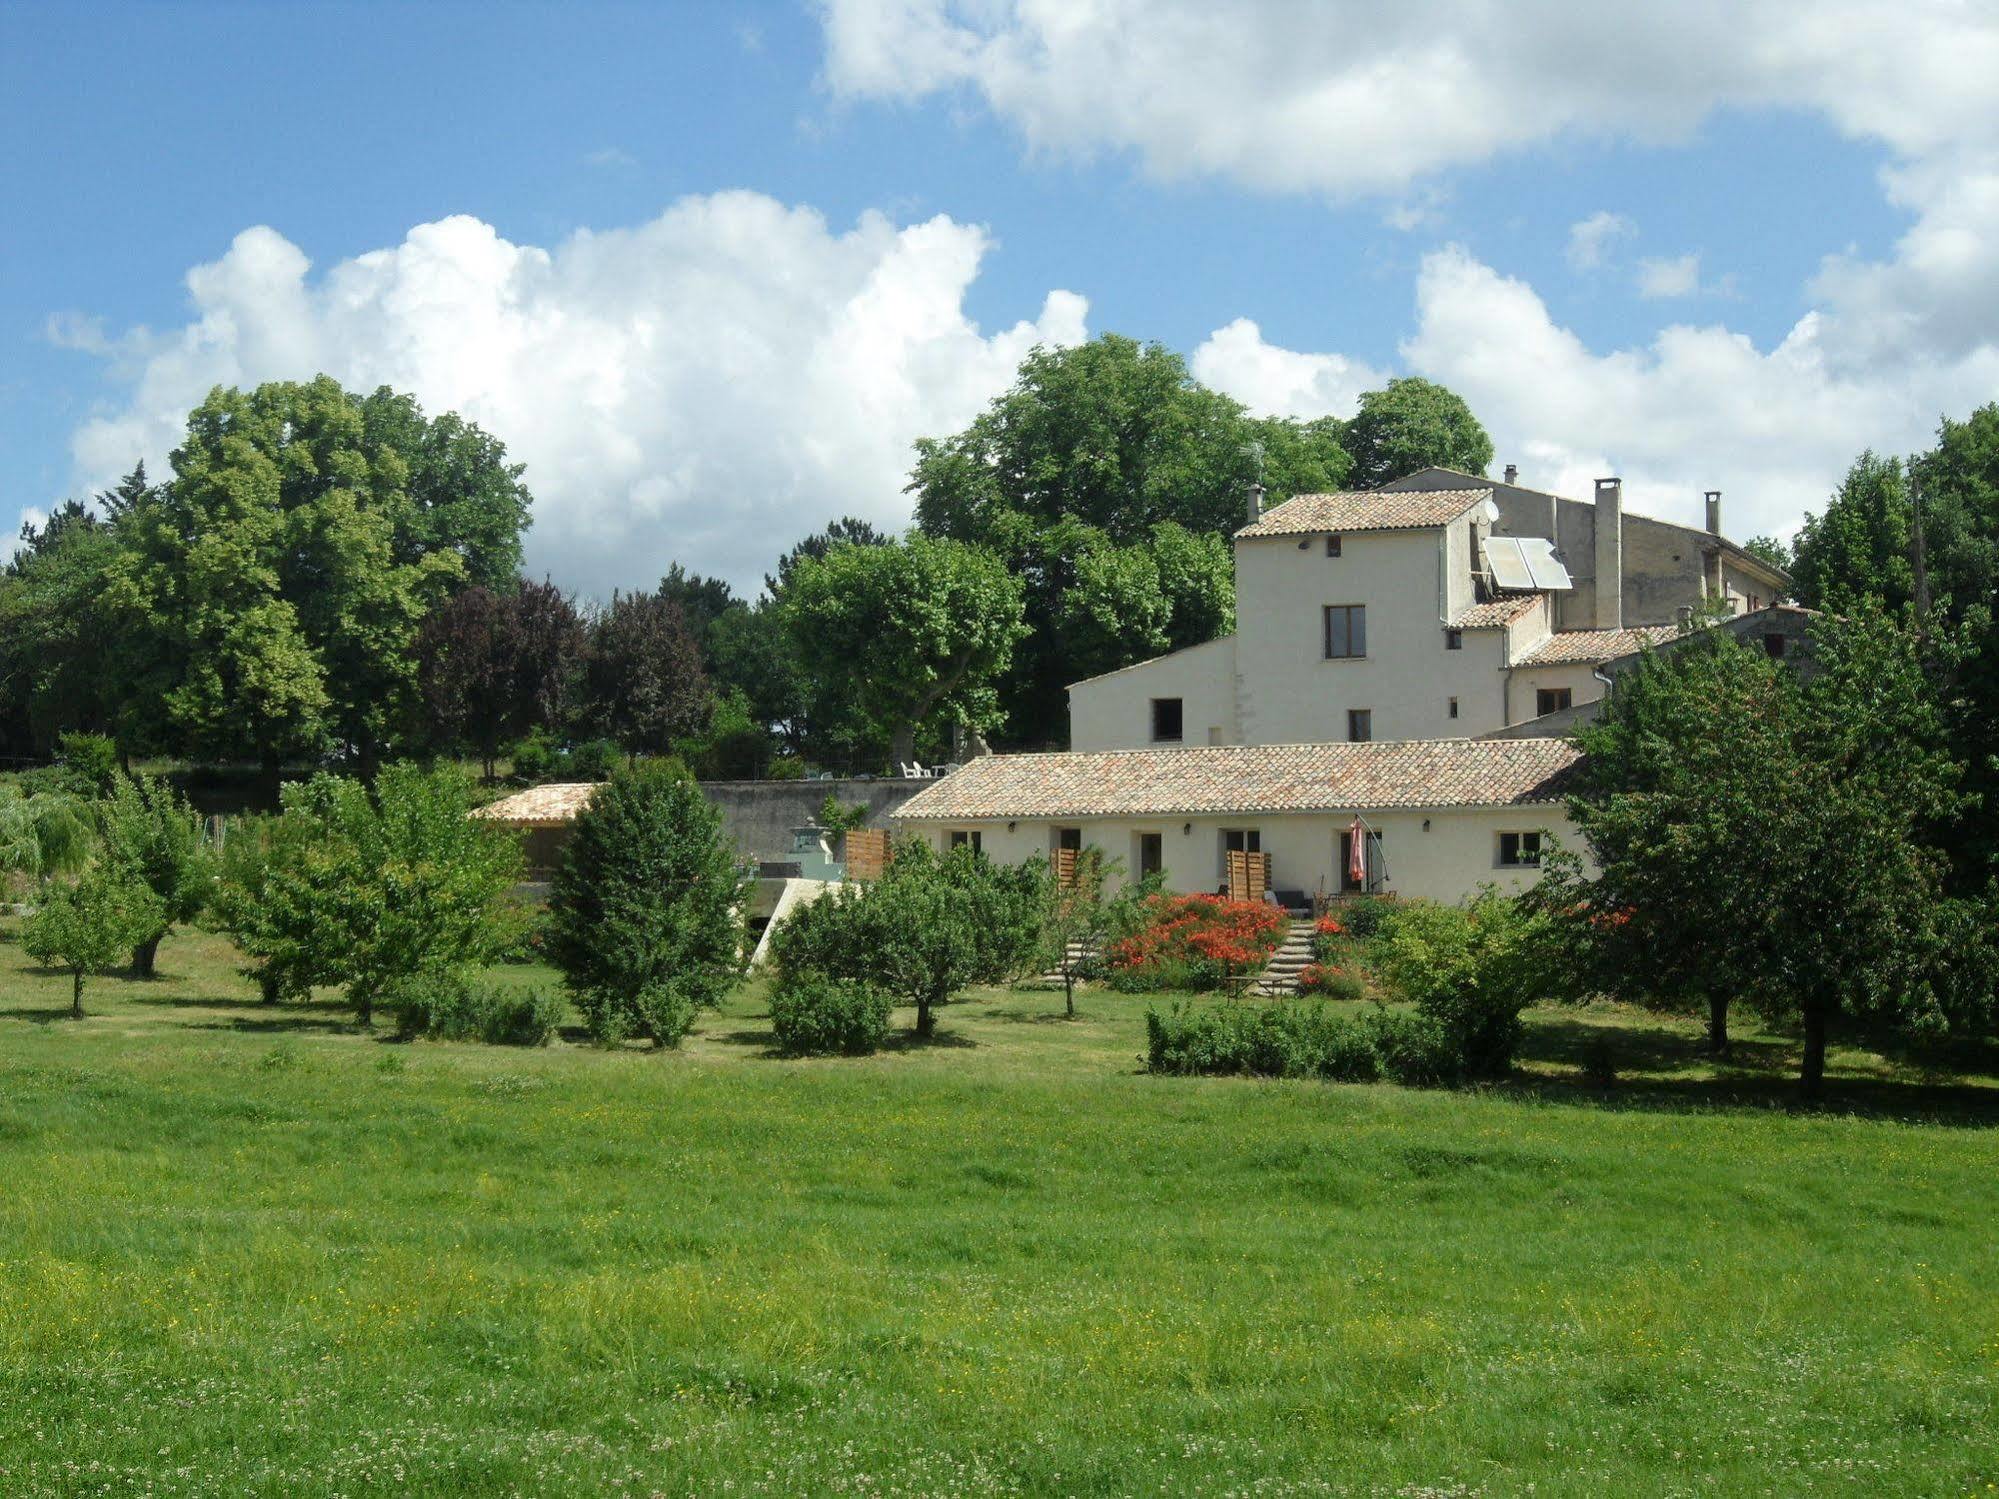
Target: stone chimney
<point>1512,473</point>
<point>1255,503</point>
<point>1714,512</point>
<point>1610,554</point>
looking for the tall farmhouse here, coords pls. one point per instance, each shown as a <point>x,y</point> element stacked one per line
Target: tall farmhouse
<point>1405,663</point>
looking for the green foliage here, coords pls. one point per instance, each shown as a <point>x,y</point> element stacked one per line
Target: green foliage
<point>535,758</point>
<point>89,762</point>
<point>277,876</point>
<point>90,924</point>
<point>838,821</point>
<point>592,760</point>
<point>44,833</point>
<point>1079,918</point>
<point>814,1015</point>
<point>154,838</point>
<point>1470,971</point>
<point>643,915</point>
<point>451,1007</point>
<point>1364,915</point>
<point>1413,424</point>
<point>733,747</point>
<point>910,631</point>
<point>1772,550</point>
<point>1298,1039</point>
<point>1776,838</point>
<point>642,677</point>
<point>930,927</point>
<point>1860,547</point>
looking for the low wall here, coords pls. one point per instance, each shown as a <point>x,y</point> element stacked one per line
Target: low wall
<point>758,816</point>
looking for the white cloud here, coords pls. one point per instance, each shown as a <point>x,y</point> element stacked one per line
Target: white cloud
<point>1590,239</point>
<point>1699,408</point>
<point>706,387</point>
<point>1278,382</point>
<point>1677,276</point>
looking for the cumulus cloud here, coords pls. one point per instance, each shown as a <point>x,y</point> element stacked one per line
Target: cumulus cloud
<point>706,387</point>
<point>1676,276</point>
<point>1278,382</point>
<point>1698,408</point>
<point>1591,239</point>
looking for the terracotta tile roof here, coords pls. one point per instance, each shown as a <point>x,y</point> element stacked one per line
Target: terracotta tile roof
<point>1497,613</point>
<point>1354,510</point>
<point>1573,646</point>
<point>552,805</point>
<point>1250,778</point>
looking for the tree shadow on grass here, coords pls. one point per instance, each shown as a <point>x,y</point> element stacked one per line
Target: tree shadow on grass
<point>37,1015</point>
<point>1760,1073</point>
<point>285,1023</point>
<point>906,1040</point>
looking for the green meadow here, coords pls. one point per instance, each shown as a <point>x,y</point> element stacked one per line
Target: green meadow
<point>246,1250</point>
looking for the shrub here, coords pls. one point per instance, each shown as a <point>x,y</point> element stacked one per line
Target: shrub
<point>536,758</point>
<point>643,912</point>
<point>1364,915</point>
<point>1409,1049</point>
<point>1279,1040</point>
<point>814,1015</point>
<point>785,768</point>
<point>1470,970</point>
<point>89,763</point>
<point>593,760</point>
<point>1329,982</point>
<point>89,924</point>
<point>1195,942</point>
<point>155,838</point>
<point>446,1007</point>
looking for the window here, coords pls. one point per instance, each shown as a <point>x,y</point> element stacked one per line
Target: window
<point>1332,546</point>
<point>960,838</point>
<point>1773,646</point>
<point>1552,700</point>
<point>1450,707</point>
<point>1069,838</point>
<point>1166,716</point>
<point>1519,850</point>
<point>1151,855</point>
<point>1360,725</point>
<point>1242,841</point>
<point>1346,631</point>
<point>1454,640</point>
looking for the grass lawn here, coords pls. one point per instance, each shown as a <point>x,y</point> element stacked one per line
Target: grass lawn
<point>249,1251</point>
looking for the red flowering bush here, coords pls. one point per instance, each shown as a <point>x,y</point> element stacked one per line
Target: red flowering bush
<point>1329,926</point>
<point>1330,981</point>
<point>1195,942</point>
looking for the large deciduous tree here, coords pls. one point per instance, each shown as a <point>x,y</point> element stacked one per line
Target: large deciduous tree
<point>494,666</point>
<point>153,838</point>
<point>1414,424</point>
<point>642,676</point>
<point>279,580</point>
<point>915,633</point>
<point>1862,544</point>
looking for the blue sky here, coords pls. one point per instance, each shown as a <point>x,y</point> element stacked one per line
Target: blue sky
<point>1174,192</point>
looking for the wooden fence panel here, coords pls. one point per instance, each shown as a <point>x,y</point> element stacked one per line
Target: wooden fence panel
<point>867,853</point>
<point>1249,875</point>
<point>1065,867</point>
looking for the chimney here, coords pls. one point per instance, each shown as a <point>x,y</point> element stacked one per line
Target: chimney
<point>1512,472</point>
<point>1255,503</point>
<point>1714,512</point>
<point>1610,554</point>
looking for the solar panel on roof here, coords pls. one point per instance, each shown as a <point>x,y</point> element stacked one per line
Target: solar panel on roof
<point>1547,571</point>
<point>1509,569</point>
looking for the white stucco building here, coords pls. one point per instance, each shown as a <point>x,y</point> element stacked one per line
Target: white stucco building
<point>1396,652</point>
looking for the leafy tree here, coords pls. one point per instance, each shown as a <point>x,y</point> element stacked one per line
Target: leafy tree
<point>1117,435</point>
<point>643,677</point>
<point>733,747</point>
<point>1414,424</point>
<point>643,913</point>
<point>751,653</point>
<point>280,579</point>
<point>89,925</point>
<point>1775,837</point>
<point>464,498</point>
<point>1861,546</point>
<point>153,838</point>
<point>909,631</point>
<point>277,877</point>
<point>848,530</point>
<point>928,928</point>
<point>45,833</point>
<point>62,655</point>
<point>1078,919</point>
<point>494,667</point>
<point>1769,549</point>
<point>702,601</point>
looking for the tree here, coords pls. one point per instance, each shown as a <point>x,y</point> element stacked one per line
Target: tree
<point>493,667</point>
<point>1769,549</point>
<point>928,928</point>
<point>643,915</point>
<point>1862,545</point>
<point>153,838</point>
<point>702,601</point>
<point>1117,435</point>
<point>642,677</point>
<point>279,581</point>
<point>848,530</point>
<point>1077,919</point>
<point>277,877</point>
<point>1413,424</point>
<point>89,925</point>
<point>751,653</point>
<point>44,834</point>
<point>910,631</point>
<point>1775,838</point>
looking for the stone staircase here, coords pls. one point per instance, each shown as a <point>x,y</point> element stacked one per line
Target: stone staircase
<point>1077,952</point>
<point>1279,978</point>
